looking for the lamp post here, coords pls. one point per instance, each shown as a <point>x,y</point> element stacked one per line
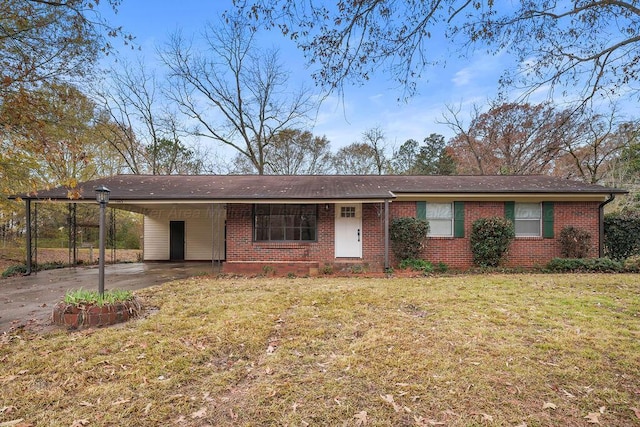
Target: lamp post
<point>102,197</point>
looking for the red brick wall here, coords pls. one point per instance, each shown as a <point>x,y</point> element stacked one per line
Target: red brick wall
<point>524,251</point>
<point>241,247</point>
<point>455,252</point>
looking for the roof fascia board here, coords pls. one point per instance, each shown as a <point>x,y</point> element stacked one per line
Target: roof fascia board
<point>489,197</point>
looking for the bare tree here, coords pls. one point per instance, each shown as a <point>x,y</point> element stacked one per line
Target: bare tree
<point>588,44</point>
<point>47,41</point>
<point>376,139</point>
<point>296,152</point>
<point>594,154</point>
<point>237,93</point>
<point>510,138</point>
<point>355,159</point>
<point>140,126</point>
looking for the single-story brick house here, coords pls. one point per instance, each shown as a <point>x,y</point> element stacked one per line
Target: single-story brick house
<point>300,224</point>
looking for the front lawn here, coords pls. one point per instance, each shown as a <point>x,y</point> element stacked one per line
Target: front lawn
<point>498,350</point>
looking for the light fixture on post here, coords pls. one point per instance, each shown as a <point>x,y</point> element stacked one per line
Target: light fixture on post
<point>102,197</point>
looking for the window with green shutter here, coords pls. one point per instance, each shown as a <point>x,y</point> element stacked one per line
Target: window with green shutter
<point>547,220</point>
<point>445,219</point>
<point>458,219</point>
<point>530,219</point>
<point>421,210</point>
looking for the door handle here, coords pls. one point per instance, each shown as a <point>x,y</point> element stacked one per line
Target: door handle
<point>358,234</point>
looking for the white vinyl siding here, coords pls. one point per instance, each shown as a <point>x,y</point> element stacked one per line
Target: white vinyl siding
<point>528,219</point>
<point>198,228</point>
<point>440,217</point>
<point>156,238</point>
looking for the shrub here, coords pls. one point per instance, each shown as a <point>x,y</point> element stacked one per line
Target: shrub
<point>14,270</point>
<point>441,267</point>
<point>575,242</point>
<point>632,264</point>
<point>595,265</point>
<point>17,269</point>
<point>490,240</point>
<point>416,265</point>
<point>622,234</point>
<point>407,237</point>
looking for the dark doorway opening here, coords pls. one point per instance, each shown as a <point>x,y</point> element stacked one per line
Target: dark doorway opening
<point>176,240</point>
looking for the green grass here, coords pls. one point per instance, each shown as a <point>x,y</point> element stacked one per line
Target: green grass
<point>499,350</point>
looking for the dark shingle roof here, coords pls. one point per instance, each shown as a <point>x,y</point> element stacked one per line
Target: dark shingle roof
<point>321,187</point>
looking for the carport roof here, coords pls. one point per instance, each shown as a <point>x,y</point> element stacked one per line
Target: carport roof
<point>310,187</point>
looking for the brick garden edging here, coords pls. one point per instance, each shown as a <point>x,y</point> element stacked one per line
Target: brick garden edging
<point>80,316</point>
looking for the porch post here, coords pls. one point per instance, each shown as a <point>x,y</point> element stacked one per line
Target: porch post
<point>28,235</point>
<point>386,234</point>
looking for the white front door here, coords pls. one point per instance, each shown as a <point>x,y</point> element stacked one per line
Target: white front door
<point>348,230</point>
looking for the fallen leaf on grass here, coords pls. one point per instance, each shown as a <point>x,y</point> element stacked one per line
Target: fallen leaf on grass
<point>11,423</point>
<point>200,413</point>
<point>549,405</point>
<point>424,422</point>
<point>80,423</point>
<point>389,399</point>
<point>487,417</point>
<point>636,411</point>
<point>147,408</point>
<point>7,409</point>
<point>83,403</point>
<point>120,402</point>
<point>593,418</point>
<point>569,395</point>
<point>361,418</point>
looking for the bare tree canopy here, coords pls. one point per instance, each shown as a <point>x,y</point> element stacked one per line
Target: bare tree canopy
<point>596,153</point>
<point>237,93</point>
<point>44,40</point>
<point>510,139</point>
<point>357,158</point>
<point>594,44</point>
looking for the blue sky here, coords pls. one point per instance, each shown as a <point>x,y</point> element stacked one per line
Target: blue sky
<point>342,120</point>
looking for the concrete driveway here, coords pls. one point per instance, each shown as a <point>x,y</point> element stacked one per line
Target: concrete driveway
<point>28,301</point>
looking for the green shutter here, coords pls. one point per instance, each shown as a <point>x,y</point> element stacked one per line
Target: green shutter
<point>510,211</point>
<point>458,219</point>
<point>547,220</point>
<point>421,210</point>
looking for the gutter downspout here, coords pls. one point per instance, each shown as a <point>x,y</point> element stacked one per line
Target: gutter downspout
<point>386,235</point>
<point>601,206</point>
<point>28,236</point>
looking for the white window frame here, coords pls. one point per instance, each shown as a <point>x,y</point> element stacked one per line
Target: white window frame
<point>530,219</point>
<point>440,219</point>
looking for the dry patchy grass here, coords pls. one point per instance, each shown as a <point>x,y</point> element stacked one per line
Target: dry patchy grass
<point>513,350</point>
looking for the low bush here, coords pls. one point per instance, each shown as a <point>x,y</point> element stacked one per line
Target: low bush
<point>595,265</point>
<point>490,240</point>
<point>632,264</point>
<point>14,270</point>
<point>575,242</point>
<point>18,269</point>
<point>408,236</point>
<point>416,265</point>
